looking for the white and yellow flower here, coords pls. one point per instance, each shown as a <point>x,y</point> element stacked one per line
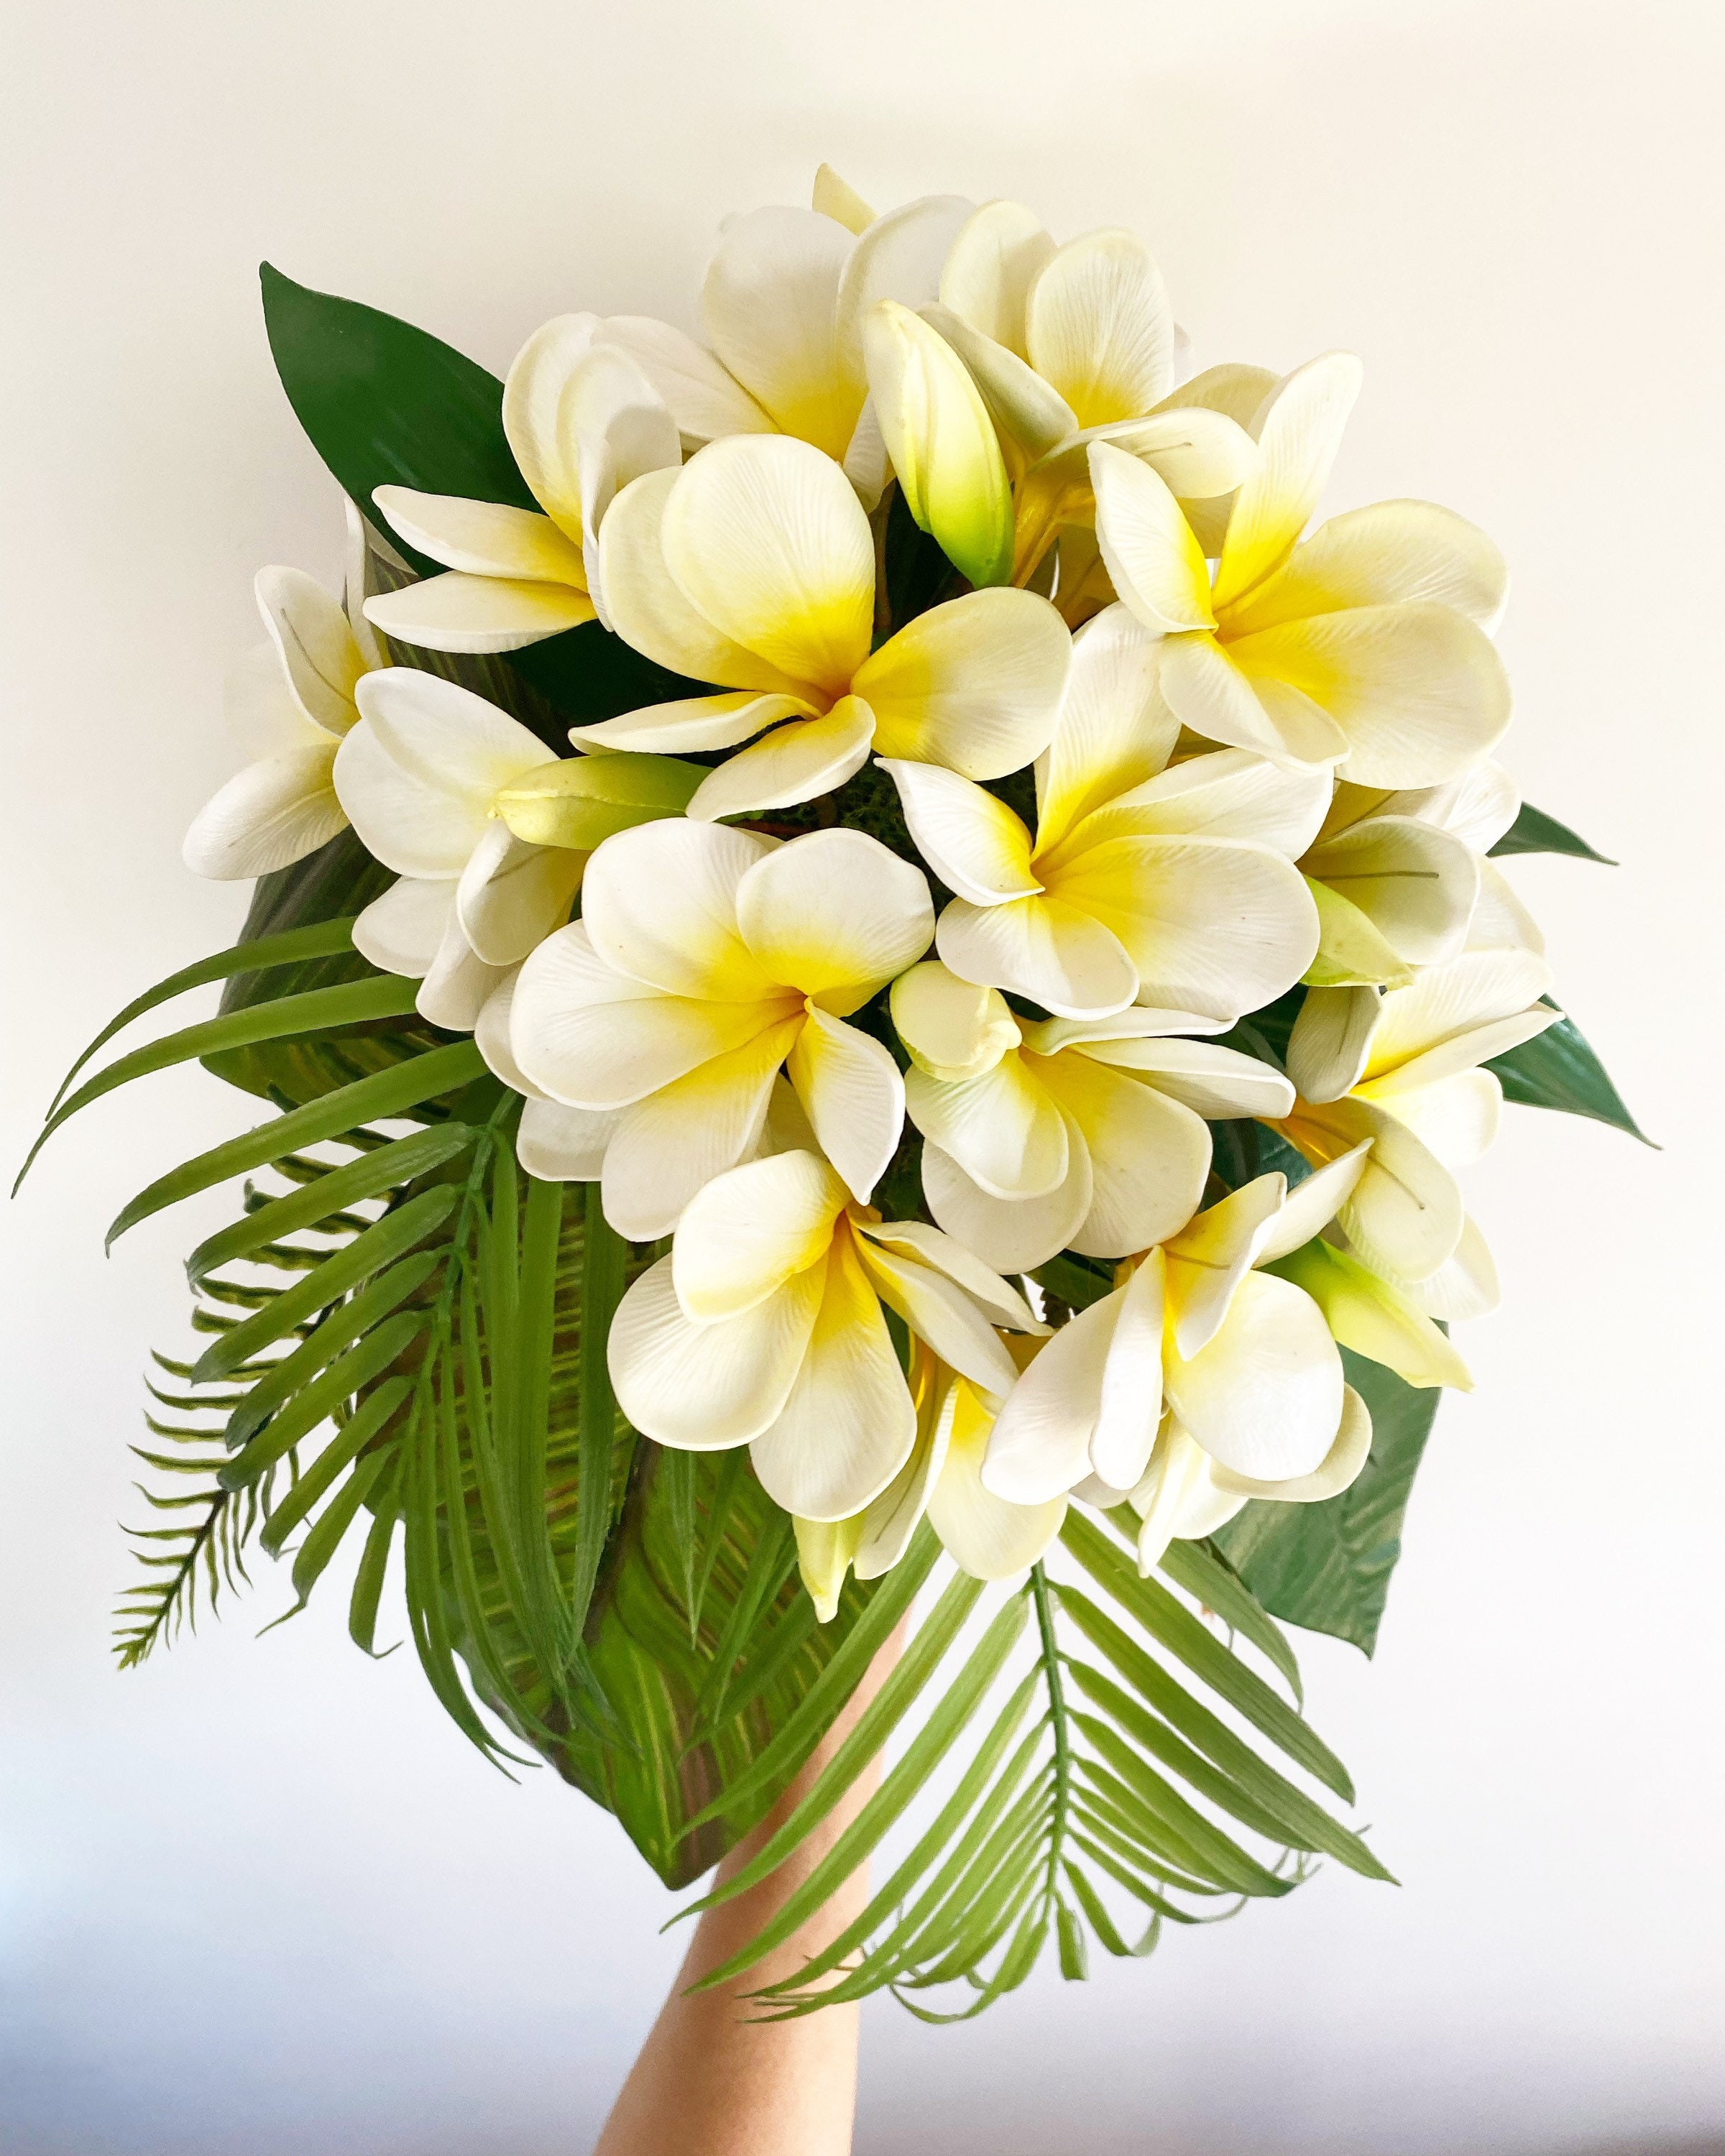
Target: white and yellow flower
<point>784,302</point>
<point>1168,887</point>
<point>487,830</point>
<point>290,701</point>
<point>1067,346</point>
<point>753,567</point>
<point>1361,650</point>
<point>764,1327</point>
<point>1086,1134</point>
<point>1401,1068</point>
<point>940,1481</point>
<point>583,421</point>
<point>1200,1382</point>
<point>704,959</point>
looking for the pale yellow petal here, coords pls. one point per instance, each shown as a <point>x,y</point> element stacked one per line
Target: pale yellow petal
<point>1404,1216</point>
<point>1115,731</point>
<point>1385,555</point>
<point>481,539</point>
<point>1311,1204</point>
<point>1209,693</point>
<point>677,1141</point>
<point>768,540</point>
<point>1059,955</point>
<point>1212,1254</point>
<point>703,1388</point>
<point>1331,1041</point>
<point>1447,1020</point>
<point>1339,1469</point>
<point>532,393</point>
<point>1098,327</point>
<point>974,685</point>
<point>1375,1318</point>
<point>1216,1083</point>
<point>1299,432</point>
<point>952,1029</point>
<point>693,723</point>
<point>797,762</point>
<point>512,894</point>
<point>850,1087</point>
<point>834,197</point>
<point>825,1551</point>
<point>556,1144</point>
<point>835,915</point>
<point>996,1297</point>
<point>748,1231</point>
<point>898,257</point>
<point>1024,408</point>
<point>984,1535</point>
<point>1415,883</point>
<point>988,272</point>
<point>1153,554</point>
<point>938,1311</point>
<point>275,812</point>
<point>1148,1155</point>
<point>319,660</point>
<point>769,306</point>
<point>1456,1117</point>
<point>1004,1128</point>
<point>1130,1409</point>
<point>403,931</point>
<point>1230,793</point>
<point>973,842</point>
<point>478,614</point>
<point>659,902</point>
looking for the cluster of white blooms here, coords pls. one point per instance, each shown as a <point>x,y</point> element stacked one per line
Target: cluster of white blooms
<point>1251,759</point>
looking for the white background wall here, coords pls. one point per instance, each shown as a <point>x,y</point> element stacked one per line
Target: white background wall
<point>259,1897</point>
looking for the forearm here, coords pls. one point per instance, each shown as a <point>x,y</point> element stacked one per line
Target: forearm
<point>710,2081</point>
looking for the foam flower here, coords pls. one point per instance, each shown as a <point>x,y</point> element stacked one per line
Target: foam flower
<point>784,302</point>
<point>289,700</point>
<point>1068,346</point>
<point>753,567</point>
<point>704,959</point>
<point>764,1326</point>
<point>1197,1339</point>
<point>487,831</point>
<point>940,1481</point>
<point>1361,650</point>
<point>1402,1068</point>
<point>583,421</point>
<point>1081,1134</point>
<point>1171,887</point>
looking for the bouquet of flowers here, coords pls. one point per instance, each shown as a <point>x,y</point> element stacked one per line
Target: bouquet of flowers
<point>872,972</point>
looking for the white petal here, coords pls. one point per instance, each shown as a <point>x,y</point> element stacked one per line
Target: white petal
<point>1040,1446</point>
<point>458,983</point>
<point>458,613</point>
<point>1131,1408</point>
<point>982,1533</point>
<point>1004,1127</point>
<point>1310,1205</point>
<point>835,914</point>
<point>417,775</point>
<point>532,398</point>
<point>970,838</point>
<point>996,1297</point>
<point>271,813</point>
<point>483,538</point>
<point>1022,405</point>
<point>1148,1155</point>
<point>1265,1397</point>
<point>855,1098</point>
<point>1098,327</point>
<point>899,256</point>
<point>692,723</point>
<point>1449,1009</point>
<point>1152,551</point>
<point>1298,436</point>
<point>1465,1286</point>
<point>403,931</point>
<point>849,1423</point>
<point>659,902</point>
<point>1405,1217</point>
<point>511,895</point>
<point>649,608</point>
<point>1216,1083</point>
<point>834,197</point>
<point>1338,1470</point>
<point>942,1314</point>
<point>1208,1259</point>
<point>1056,954</point>
<point>1218,926</point>
<point>770,308</point>
<point>795,762</point>
<point>767,539</point>
<point>952,1029</point>
<point>1209,693</point>
<point>702,1388</point>
<point>676,1141</point>
<point>1230,794</point>
<point>620,426</point>
<point>706,401</point>
<point>1011,1234</point>
<point>1457,1117</point>
<point>492,1036</point>
<point>1501,922</point>
<point>564,1145</point>
<point>750,1230</point>
<point>1178,1499</point>
<point>1116,730</point>
<point>974,685</point>
<point>1479,807</point>
<point>988,271</point>
<point>1331,1041</point>
<point>315,644</point>
<point>1417,884</point>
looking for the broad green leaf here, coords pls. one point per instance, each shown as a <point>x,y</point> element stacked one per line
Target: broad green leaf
<point>1534,832</point>
<point>1557,1069</point>
<point>1328,1566</point>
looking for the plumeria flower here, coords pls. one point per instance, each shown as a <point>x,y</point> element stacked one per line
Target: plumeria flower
<point>486,829</point>
<point>1199,1345</point>
<point>1361,650</point>
<point>1070,346</point>
<point>704,959</point>
<point>764,1327</point>
<point>290,701</point>
<point>1402,1069</point>
<point>583,421</point>
<point>785,297</point>
<point>1086,1134</point>
<point>1170,887</point>
<point>940,1481</point>
<point>754,567</point>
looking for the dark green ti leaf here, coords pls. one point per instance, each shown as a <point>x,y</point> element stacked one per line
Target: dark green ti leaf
<point>1534,832</point>
<point>1557,1069</point>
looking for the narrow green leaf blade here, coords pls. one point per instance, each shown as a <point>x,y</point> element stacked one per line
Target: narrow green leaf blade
<point>1534,832</point>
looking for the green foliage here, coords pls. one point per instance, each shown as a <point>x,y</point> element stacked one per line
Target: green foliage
<point>1534,832</point>
<point>1081,1779</point>
<point>1557,1069</point>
